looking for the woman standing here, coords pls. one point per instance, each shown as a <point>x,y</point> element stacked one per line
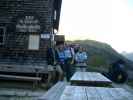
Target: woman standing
<point>81,59</point>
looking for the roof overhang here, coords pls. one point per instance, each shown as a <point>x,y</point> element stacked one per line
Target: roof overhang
<point>57,7</point>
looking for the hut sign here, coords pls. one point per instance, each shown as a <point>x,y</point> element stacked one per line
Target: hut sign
<point>45,36</point>
<point>28,24</point>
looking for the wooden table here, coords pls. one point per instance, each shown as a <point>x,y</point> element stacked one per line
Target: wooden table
<point>95,93</point>
<point>89,79</point>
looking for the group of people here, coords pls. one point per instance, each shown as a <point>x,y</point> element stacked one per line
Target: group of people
<point>67,58</point>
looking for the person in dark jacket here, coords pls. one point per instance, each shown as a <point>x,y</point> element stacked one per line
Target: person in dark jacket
<point>117,72</point>
<point>60,56</point>
<point>50,56</point>
<point>69,60</point>
<point>53,64</point>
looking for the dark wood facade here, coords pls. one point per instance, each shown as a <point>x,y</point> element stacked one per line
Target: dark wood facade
<point>26,30</point>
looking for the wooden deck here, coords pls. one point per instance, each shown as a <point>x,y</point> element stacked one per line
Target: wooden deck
<point>89,79</point>
<point>55,92</point>
<point>64,91</point>
<point>95,93</point>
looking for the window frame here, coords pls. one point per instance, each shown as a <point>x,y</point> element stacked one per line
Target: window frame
<point>55,15</point>
<point>30,42</point>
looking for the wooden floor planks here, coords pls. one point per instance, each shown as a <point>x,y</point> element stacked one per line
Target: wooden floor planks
<point>95,93</point>
<point>92,94</point>
<point>55,92</point>
<point>74,93</point>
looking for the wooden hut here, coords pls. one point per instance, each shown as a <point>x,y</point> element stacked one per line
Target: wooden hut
<point>26,31</point>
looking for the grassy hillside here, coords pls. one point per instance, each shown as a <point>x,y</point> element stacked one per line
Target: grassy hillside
<point>101,54</point>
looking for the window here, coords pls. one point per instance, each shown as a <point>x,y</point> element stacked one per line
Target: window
<point>34,42</point>
<point>2,34</point>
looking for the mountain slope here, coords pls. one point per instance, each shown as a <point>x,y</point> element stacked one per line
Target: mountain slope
<point>101,54</point>
<point>128,56</point>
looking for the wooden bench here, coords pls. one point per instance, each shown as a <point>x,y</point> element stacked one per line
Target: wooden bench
<point>35,80</point>
<point>55,92</point>
<point>90,79</point>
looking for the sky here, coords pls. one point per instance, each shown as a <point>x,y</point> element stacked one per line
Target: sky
<point>109,21</point>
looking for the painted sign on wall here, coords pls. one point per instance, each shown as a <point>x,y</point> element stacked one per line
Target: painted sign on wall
<point>28,24</point>
<point>45,36</point>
